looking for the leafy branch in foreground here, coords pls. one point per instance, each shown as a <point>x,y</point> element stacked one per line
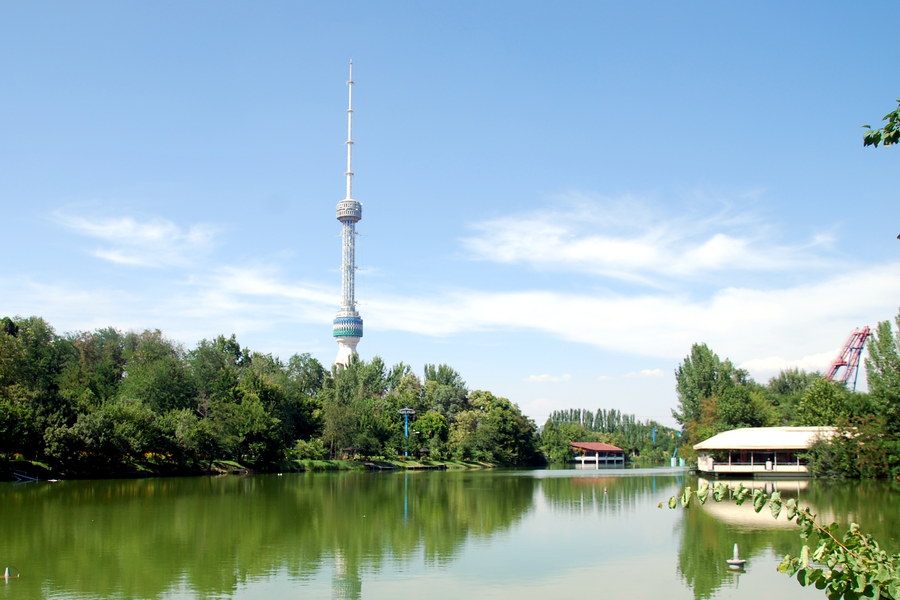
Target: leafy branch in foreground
<point>850,566</point>
<point>889,134</point>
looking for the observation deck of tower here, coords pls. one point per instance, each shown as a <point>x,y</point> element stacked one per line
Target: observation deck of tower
<point>348,325</point>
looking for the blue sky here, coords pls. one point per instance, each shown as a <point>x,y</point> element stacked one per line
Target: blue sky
<point>558,198</point>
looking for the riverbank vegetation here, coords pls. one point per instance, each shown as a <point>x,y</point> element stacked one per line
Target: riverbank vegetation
<point>107,403</point>
<point>646,443</point>
<point>714,395</point>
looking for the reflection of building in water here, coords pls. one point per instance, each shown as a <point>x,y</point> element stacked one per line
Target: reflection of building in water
<point>745,515</point>
<point>597,454</point>
<point>759,451</point>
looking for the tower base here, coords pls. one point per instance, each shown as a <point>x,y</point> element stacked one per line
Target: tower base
<point>346,349</point>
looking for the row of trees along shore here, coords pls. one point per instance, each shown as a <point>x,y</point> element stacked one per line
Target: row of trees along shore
<point>646,443</point>
<point>108,403</point>
<point>714,395</point>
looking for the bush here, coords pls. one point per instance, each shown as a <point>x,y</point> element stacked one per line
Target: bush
<point>312,449</point>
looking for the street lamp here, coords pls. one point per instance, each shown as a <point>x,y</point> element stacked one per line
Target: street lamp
<point>406,411</point>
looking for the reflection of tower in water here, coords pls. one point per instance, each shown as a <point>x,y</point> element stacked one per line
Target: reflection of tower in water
<point>346,584</point>
<point>348,325</point>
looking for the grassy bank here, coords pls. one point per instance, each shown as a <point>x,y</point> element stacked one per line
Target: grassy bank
<point>26,470</point>
<point>381,464</point>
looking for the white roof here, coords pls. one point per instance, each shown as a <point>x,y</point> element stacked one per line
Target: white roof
<point>766,438</point>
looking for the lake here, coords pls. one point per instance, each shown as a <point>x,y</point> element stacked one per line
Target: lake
<point>426,534</point>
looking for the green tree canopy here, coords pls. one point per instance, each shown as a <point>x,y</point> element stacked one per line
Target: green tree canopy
<point>883,373</point>
<point>703,375</point>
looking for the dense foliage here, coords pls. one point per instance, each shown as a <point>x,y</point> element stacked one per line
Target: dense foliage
<point>715,396</point>
<point>644,442</point>
<point>850,565</point>
<point>107,402</point>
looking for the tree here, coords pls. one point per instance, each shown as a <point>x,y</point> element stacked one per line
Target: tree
<point>32,360</point>
<point>743,406</point>
<point>445,390</point>
<point>156,373</point>
<point>786,390</point>
<point>214,367</point>
<point>555,439</point>
<point>493,430</point>
<point>703,375</point>
<point>354,408</point>
<point>883,374</point>
<point>824,403</point>
<point>432,429</point>
<point>94,376</point>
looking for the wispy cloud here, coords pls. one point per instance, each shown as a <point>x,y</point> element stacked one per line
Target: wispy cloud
<point>744,324</point>
<point>653,373</point>
<point>547,378</point>
<point>630,240</point>
<point>762,329</point>
<point>149,243</point>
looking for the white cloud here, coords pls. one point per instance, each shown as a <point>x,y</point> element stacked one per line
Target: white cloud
<point>150,243</point>
<point>625,239</point>
<point>545,378</point>
<point>645,373</point>
<point>790,324</point>
<point>765,368</point>
<point>797,323</point>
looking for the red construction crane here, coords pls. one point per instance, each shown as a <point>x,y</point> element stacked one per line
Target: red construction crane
<point>849,357</point>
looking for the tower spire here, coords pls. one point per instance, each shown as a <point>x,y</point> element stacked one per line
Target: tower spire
<point>349,172</point>
<point>348,325</point>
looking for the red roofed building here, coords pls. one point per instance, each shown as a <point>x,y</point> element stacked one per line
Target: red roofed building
<point>598,453</point>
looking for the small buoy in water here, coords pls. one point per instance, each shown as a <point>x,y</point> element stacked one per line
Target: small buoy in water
<point>6,573</point>
<point>736,562</point>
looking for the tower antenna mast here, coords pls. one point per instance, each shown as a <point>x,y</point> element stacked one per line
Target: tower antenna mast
<point>348,325</point>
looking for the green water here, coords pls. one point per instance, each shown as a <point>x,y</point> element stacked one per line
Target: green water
<point>484,534</point>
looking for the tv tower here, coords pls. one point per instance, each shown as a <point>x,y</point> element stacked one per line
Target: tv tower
<point>348,325</point>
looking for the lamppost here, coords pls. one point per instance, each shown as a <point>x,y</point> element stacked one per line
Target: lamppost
<point>406,411</point>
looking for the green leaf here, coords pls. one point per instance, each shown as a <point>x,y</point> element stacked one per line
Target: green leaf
<point>703,493</point>
<point>861,581</point>
<point>759,501</point>
<point>791,505</point>
<point>787,565</point>
<point>673,502</point>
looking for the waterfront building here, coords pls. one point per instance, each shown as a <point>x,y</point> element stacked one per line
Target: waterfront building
<point>759,451</point>
<point>598,453</point>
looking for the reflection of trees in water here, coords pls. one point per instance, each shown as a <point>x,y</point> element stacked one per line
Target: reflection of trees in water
<point>707,541</point>
<point>140,539</point>
<point>607,493</point>
<point>708,533</point>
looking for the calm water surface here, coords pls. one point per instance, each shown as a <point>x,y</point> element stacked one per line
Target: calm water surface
<point>482,534</point>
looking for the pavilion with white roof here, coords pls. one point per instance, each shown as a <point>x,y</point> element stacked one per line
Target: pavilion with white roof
<point>760,451</point>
